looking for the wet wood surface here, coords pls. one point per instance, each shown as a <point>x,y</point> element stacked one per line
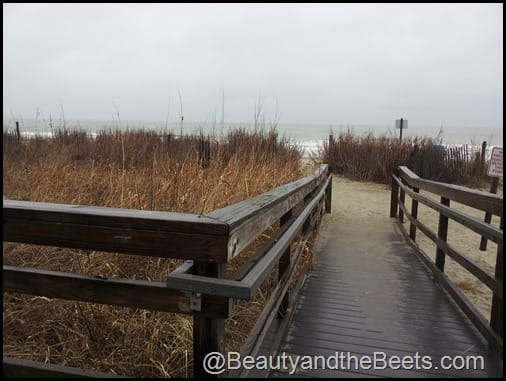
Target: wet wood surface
<point>369,292</point>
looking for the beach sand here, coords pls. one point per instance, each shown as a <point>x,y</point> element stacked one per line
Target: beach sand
<point>356,202</point>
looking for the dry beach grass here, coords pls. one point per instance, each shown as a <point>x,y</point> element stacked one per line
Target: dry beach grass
<point>138,170</point>
<point>374,158</point>
<point>147,170</point>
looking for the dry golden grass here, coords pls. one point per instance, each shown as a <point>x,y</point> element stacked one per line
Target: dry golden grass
<point>138,170</point>
<point>374,159</point>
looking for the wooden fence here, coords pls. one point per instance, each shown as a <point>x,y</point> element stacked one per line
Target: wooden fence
<point>198,286</point>
<point>405,182</point>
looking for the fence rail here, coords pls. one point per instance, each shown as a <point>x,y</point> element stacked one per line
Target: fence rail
<point>33,369</point>
<point>198,286</point>
<point>138,232</point>
<point>405,182</point>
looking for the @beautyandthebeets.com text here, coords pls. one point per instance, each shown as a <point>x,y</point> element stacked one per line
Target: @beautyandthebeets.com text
<point>217,363</point>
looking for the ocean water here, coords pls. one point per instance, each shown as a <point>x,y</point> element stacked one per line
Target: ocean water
<point>308,136</point>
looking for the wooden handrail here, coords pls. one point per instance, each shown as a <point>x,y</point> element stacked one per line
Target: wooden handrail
<point>120,292</point>
<point>247,219</point>
<point>251,281</point>
<point>488,202</point>
<point>408,183</point>
<point>468,264</point>
<point>19,368</point>
<point>198,286</point>
<point>478,226</point>
<point>138,232</point>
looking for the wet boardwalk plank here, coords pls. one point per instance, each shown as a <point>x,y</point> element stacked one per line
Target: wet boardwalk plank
<point>369,292</point>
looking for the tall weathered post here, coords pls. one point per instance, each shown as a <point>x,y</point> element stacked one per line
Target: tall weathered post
<point>482,158</point>
<point>401,124</point>
<point>18,133</point>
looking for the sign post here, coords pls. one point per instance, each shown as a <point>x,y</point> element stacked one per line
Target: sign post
<point>494,170</point>
<point>401,123</point>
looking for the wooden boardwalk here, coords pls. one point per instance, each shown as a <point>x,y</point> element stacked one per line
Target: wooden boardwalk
<point>369,296</point>
<point>369,292</point>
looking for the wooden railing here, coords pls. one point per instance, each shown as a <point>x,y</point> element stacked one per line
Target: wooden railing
<point>405,182</point>
<point>198,286</point>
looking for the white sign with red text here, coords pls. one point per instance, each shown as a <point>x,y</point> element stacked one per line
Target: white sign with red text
<point>495,164</point>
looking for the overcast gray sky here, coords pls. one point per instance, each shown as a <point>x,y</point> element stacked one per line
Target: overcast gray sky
<point>321,63</point>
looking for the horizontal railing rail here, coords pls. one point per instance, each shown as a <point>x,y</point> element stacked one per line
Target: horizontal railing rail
<point>206,242</point>
<point>119,292</point>
<point>251,281</point>
<point>138,232</point>
<point>488,202</point>
<point>405,182</point>
<point>249,218</point>
<point>18,368</point>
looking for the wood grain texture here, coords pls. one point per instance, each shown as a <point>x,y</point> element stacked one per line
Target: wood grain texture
<point>249,218</point>
<point>137,232</point>
<point>262,269</point>
<point>119,292</point>
<point>113,217</point>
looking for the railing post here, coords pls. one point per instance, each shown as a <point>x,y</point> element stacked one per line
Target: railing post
<point>208,333</point>
<point>402,201</point>
<point>394,198</point>
<point>328,197</point>
<point>483,169</point>
<point>283,266</point>
<point>442,233</point>
<point>414,214</point>
<point>496,314</point>
<point>488,216</point>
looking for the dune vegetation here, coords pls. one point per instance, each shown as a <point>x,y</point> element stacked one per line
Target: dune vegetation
<point>374,158</point>
<point>139,170</point>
